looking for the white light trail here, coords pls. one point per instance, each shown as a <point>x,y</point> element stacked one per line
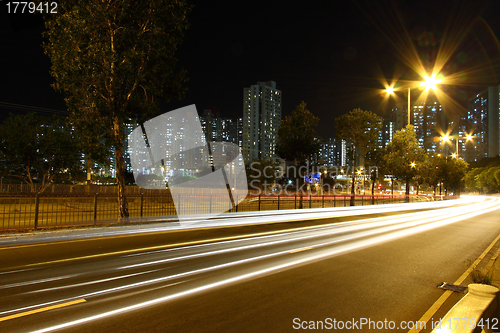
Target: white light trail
<point>339,228</point>
<point>305,257</point>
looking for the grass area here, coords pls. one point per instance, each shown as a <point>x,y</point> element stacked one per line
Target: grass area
<point>482,276</point>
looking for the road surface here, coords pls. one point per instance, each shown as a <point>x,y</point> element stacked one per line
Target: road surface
<point>255,278</point>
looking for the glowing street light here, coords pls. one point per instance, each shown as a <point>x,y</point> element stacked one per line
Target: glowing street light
<point>390,90</point>
<point>447,138</point>
<point>430,82</point>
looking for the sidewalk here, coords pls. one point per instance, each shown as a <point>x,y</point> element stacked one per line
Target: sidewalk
<point>494,268</point>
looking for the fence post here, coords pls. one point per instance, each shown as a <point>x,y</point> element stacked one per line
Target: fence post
<point>37,202</point>
<point>309,200</point>
<point>259,202</point>
<point>142,202</point>
<point>278,202</point>
<point>236,204</point>
<point>95,208</point>
<point>179,212</point>
<point>295,200</point>
<point>323,201</point>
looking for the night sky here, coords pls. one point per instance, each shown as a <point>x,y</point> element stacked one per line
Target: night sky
<point>334,55</point>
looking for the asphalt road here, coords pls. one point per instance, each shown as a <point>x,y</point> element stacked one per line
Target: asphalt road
<point>249,279</point>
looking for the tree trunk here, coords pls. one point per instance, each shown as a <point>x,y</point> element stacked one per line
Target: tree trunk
<point>392,186</point>
<point>353,192</point>
<point>120,168</point>
<point>89,174</point>
<point>373,192</point>
<point>407,191</point>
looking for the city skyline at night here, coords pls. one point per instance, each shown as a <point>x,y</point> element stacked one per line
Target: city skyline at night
<point>335,57</point>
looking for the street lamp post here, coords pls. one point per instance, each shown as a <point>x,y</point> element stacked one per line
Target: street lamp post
<point>429,83</point>
<point>447,138</point>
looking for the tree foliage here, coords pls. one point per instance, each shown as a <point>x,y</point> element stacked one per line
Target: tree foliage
<point>484,176</point>
<point>454,176</point>
<point>262,172</point>
<point>361,129</point>
<point>113,61</point>
<point>403,155</point>
<point>485,179</point>
<point>297,135</point>
<point>36,150</point>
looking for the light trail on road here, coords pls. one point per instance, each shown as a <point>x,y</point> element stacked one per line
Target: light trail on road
<point>189,269</point>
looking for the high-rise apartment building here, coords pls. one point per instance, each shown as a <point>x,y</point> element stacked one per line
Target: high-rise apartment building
<point>329,153</point>
<point>393,121</point>
<point>493,121</point>
<point>218,129</point>
<point>239,132</point>
<point>261,119</point>
<point>429,122</point>
<point>482,122</point>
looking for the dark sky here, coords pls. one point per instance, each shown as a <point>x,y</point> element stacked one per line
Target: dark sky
<point>334,55</point>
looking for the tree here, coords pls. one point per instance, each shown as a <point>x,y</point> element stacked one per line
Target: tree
<point>420,169</point>
<point>36,150</point>
<point>93,137</point>
<point>487,181</point>
<point>361,129</point>
<point>451,172</point>
<point>471,183</point>
<point>455,175</point>
<point>297,135</point>
<point>403,155</point>
<point>263,172</point>
<point>374,165</point>
<point>116,59</point>
<point>427,172</point>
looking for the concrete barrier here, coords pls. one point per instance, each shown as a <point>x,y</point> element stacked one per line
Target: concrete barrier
<point>477,311</point>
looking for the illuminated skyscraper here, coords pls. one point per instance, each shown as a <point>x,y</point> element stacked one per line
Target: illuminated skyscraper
<point>482,122</point>
<point>261,118</point>
<point>493,121</point>
<point>429,122</point>
<point>428,119</point>
<point>218,129</point>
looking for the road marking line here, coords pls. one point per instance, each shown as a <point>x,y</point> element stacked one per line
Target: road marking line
<point>433,309</point>
<point>57,306</point>
<point>300,250</point>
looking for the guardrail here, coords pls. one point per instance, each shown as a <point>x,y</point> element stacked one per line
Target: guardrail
<point>28,210</point>
<point>478,311</point>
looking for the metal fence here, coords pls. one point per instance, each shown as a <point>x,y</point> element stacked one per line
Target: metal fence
<point>67,189</point>
<point>28,210</point>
